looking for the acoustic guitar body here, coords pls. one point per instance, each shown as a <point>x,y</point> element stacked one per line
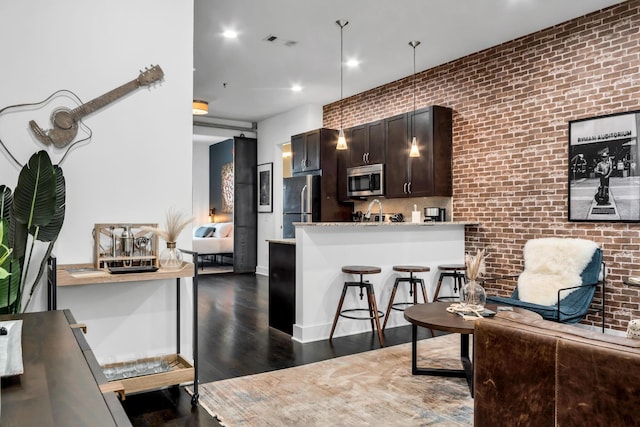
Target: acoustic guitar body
<point>65,127</point>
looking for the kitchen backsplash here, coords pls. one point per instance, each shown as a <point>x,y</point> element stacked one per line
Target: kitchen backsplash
<point>405,206</point>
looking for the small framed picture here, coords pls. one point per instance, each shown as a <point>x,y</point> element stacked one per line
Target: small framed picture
<point>265,187</point>
<point>604,175</point>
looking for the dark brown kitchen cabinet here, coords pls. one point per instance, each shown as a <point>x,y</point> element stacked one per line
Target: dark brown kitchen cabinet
<point>397,159</point>
<point>315,153</point>
<point>430,174</point>
<point>305,149</point>
<point>366,143</point>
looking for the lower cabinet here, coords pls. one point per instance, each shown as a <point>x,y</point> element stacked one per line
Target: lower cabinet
<point>282,286</point>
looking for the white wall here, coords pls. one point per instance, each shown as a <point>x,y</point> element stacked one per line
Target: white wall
<point>272,133</point>
<point>138,162</point>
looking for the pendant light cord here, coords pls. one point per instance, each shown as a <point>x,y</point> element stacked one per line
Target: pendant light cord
<point>414,44</point>
<point>341,23</point>
<point>341,71</point>
<point>414,82</point>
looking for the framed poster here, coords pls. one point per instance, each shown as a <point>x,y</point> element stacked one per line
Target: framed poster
<point>265,187</point>
<point>604,181</point>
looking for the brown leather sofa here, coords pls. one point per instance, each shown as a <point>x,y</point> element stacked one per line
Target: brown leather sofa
<point>533,372</point>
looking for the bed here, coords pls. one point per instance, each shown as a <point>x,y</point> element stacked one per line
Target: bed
<point>213,240</point>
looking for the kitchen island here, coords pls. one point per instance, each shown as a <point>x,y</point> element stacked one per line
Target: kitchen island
<point>322,248</point>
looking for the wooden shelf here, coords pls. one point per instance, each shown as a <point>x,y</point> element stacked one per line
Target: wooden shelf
<point>181,371</point>
<point>65,278</point>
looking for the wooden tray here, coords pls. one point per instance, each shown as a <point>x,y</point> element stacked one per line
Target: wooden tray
<point>181,371</point>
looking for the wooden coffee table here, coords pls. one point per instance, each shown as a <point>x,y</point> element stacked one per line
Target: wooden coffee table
<point>435,316</point>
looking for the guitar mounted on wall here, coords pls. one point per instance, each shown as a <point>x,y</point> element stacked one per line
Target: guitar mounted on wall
<point>65,121</point>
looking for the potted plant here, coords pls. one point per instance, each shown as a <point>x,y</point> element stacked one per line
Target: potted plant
<point>35,209</point>
<point>171,258</point>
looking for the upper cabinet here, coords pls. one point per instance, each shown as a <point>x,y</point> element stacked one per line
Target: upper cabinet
<point>305,149</point>
<point>430,174</point>
<point>314,152</point>
<point>366,143</point>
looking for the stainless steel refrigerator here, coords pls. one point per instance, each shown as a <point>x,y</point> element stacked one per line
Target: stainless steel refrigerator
<point>301,202</point>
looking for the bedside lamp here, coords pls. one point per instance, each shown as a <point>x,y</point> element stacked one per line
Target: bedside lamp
<point>212,215</point>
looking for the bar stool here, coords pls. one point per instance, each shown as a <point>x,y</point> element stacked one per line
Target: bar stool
<point>413,288</point>
<point>458,273</point>
<point>374,313</point>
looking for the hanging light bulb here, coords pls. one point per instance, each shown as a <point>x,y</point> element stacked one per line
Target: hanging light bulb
<point>414,148</point>
<point>414,152</point>
<point>342,142</point>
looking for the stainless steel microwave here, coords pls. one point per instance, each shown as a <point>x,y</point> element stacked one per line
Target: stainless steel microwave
<point>365,181</point>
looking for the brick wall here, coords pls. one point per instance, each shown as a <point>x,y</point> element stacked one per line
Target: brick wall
<point>512,104</point>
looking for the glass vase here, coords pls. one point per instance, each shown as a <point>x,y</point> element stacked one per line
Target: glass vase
<point>474,296</point>
<point>171,258</point>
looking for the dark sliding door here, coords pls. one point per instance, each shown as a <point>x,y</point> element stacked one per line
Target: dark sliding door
<point>245,211</point>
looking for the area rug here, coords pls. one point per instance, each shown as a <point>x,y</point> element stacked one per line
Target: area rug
<point>375,388</point>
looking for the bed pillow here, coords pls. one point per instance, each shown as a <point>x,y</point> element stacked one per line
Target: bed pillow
<point>204,231</point>
<point>223,229</point>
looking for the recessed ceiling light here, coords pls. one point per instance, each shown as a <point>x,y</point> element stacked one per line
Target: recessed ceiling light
<point>296,88</point>
<point>352,63</point>
<point>230,34</point>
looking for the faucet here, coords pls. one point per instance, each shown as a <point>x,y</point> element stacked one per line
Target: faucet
<point>368,214</point>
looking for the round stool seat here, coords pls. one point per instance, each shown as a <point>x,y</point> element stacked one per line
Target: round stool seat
<point>450,267</point>
<point>361,269</point>
<point>411,268</point>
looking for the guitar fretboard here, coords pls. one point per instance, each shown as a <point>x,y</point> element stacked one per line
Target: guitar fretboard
<point>102,100</point>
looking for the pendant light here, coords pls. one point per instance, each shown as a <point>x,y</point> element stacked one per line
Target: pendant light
<point>414,142</point>
<point>342,142</point>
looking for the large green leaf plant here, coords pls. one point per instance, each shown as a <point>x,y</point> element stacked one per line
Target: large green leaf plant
<point>34,212</point>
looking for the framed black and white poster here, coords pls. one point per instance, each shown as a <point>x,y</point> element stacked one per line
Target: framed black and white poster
<point>265,187</point>
<point>604,181</point>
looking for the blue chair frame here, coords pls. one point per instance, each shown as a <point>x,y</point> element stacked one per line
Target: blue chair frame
<point>571,308</point>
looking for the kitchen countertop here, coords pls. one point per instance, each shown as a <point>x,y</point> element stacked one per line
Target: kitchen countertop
<point>381,224</point>
<point>291,241</point>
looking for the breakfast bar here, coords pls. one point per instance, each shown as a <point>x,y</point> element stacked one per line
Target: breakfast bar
<point>322,248</point>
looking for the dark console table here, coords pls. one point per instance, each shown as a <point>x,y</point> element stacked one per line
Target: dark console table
<point>61,382</point>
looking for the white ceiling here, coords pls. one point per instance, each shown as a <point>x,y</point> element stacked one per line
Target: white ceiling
<point>258,74</point>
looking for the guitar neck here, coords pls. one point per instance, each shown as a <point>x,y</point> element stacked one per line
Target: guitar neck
<point>102,100</point>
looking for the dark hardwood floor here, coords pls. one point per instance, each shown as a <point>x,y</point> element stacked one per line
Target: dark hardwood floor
<point>235,339</point>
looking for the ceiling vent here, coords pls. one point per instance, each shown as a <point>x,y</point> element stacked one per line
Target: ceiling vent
<point>276,40</point>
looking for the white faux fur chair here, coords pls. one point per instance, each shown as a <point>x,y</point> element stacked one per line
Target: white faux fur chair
<point>559,279</point>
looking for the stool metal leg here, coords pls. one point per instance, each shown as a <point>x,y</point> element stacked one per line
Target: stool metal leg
<point>393,295</point>
<point>371,307</point>
<point>424,291</point>
<point>335,319</point>
<point>372,302</point>
<point>435,296</point>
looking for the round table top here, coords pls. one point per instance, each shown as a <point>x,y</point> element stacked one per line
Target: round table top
<point>434,315</point>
